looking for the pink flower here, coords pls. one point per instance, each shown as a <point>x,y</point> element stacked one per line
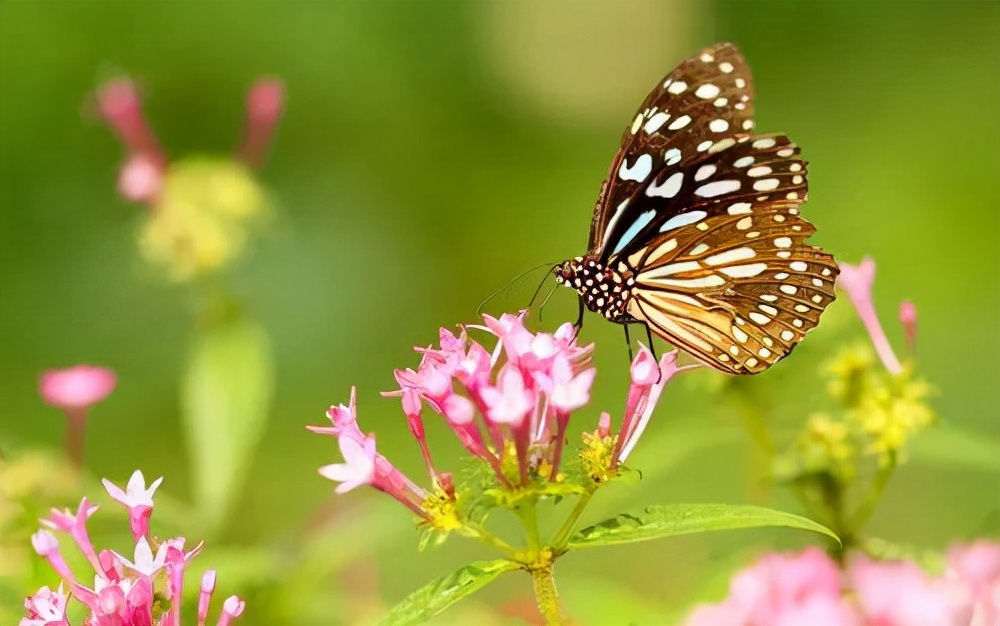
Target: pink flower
<point>977,567</point>
<point>76,388</point>
<point>76,527</point>
<point>358,467</point>
<point>648,380</point>
<point>858,281</point>
<point>265,103</point>
<point>509,406</point>
<point>898,593</point>
<point>140,179</point>
<point>137,499</point>
<point>908,318</point>
<point>45,608</point>
<point>782,590</point>
<point>123,589</point>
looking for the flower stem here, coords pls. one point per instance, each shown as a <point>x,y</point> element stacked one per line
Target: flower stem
<point>868,505</point>
<point>76,427</point>
<point>529,517</point>
<point>562,536</point>
<point>475,531</point>
<point>546,595</point>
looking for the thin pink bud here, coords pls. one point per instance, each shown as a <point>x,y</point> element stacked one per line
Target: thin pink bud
<point>231,609</point>
<point>121,107</point>
<point>908,318</point>
<point>47,546</point>
<point>265,102</point>
<point>858,281</point>
<point>205,597</point>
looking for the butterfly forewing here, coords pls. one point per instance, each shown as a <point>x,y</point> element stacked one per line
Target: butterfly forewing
<point>702,107</point>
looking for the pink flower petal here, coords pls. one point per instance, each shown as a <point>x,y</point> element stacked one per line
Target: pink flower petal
<point>76,388</point>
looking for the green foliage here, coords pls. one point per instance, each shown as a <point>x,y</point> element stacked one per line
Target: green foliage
<point>226,396</point>
<point>440,593</point>
<point>669,520</point>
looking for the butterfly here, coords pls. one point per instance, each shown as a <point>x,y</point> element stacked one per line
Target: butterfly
<point>697,233</point>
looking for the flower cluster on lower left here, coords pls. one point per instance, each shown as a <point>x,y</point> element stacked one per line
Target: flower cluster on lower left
<point>142,589</point>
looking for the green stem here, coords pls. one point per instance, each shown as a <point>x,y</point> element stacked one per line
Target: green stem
<point>475,531</point>
<point>529,517</point>
<point>868,505</point>
<point>546,595</point>
<point>562,536</point>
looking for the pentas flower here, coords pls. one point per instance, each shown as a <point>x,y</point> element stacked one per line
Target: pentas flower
<point>810,588</point>
<point>509,405</point>
<point>75,390</point>
<point>137,499</point>
<point>142,589</point>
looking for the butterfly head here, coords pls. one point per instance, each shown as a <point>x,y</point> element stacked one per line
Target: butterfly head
<point>604,290</point>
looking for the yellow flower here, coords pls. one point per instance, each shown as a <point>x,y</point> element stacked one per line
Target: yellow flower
<point>203,218</point>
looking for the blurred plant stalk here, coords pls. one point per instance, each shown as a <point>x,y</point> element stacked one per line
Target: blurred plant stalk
<point>204,213</point>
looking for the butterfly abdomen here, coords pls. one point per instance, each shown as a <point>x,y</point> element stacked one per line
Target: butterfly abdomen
<point>604,290</point>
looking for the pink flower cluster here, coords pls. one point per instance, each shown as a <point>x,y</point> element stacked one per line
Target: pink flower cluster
<point>509,406</point>
<point>141,177</point>
<point>126,591</point>
<point>808,588</point>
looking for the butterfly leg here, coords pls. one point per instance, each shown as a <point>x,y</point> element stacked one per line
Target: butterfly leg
<point>628,342</point>
<point>649,337</point>
<point>578,324</point>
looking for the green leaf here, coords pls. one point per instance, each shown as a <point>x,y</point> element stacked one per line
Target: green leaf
<point>668,520</point>
<point>439,594</point>
<point>226,393</point>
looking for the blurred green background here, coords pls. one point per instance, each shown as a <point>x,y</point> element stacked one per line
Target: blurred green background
<point>431,151</point>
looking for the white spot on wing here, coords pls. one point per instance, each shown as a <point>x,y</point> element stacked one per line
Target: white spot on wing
<point>680,122</point>
<point>639,171</point>
<point>704,172</point>
<point>707,91</point>
<point>636,123</point>
<point>758,317</point>
<point>765,185</point>
<point>731,256</point>
<point>739,208</point>
<point>783,242</point>
<point>672,156</point>
<point>655,122</point>
<point>762,144</point>
<point>760,170</point>
<point>744,271</point>
<point>743,161</point>
<point>684,219</point>
<point>718,126</point>
<point>678,87</point>
<point>717,188</point>
<point>668,189</point>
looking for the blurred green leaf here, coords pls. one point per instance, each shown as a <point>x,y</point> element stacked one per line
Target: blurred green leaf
<point>956,447</point>
<point>440,593</point>
<point>226,394</point>
<point>668,520</point>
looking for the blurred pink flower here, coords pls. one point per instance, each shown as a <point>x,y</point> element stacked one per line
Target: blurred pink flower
<point>76,388</point>
<point>898,593</point>
<point>123,589</point>
<point>908,318</point>
<point>265,103</point>
<point>858,281</point>
<point>782,590</point>
<point>977,566</point>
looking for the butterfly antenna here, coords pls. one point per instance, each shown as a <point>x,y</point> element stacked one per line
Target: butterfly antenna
<point>509,285</point>
<point>541,307</point>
